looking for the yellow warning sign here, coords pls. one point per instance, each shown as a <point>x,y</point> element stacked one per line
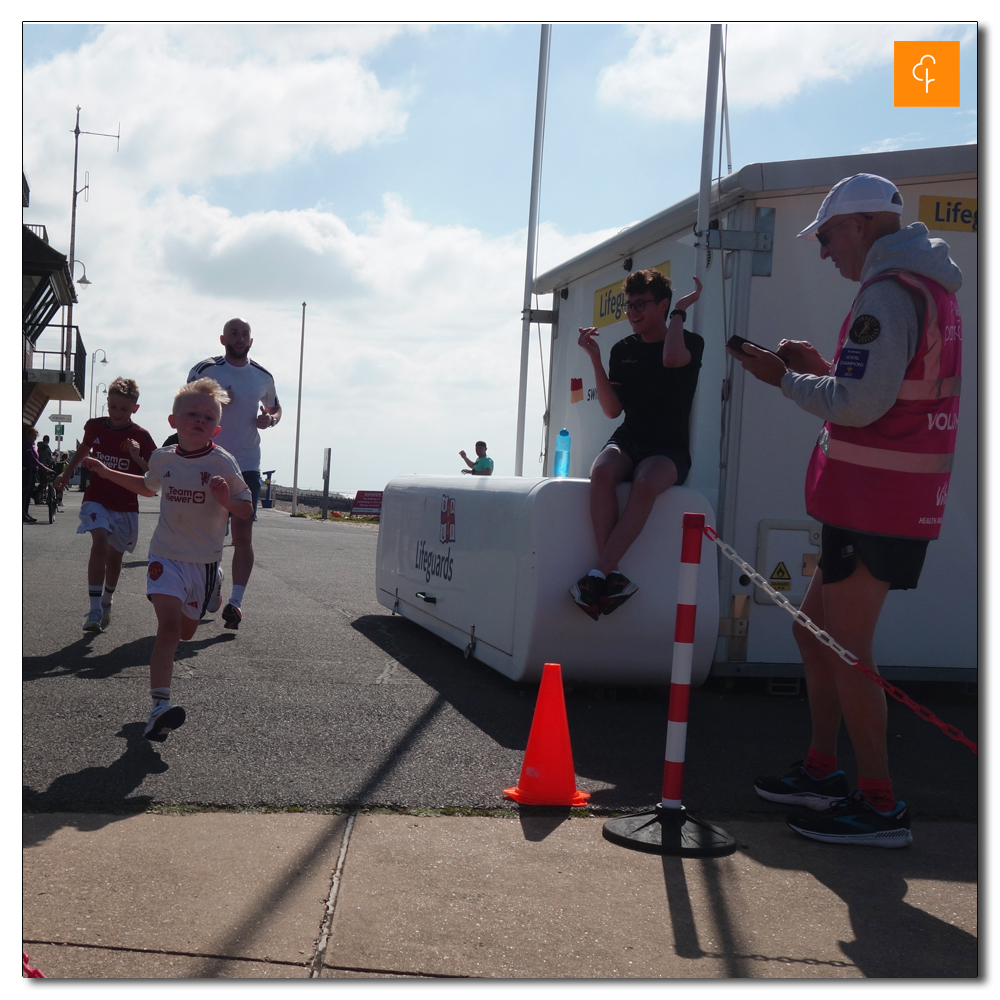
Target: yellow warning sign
<point>781,579</point>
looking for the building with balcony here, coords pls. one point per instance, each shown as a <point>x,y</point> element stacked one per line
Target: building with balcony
<point>54,359</point>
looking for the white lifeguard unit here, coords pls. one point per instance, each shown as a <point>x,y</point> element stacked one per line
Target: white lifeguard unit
<point>487,562</point>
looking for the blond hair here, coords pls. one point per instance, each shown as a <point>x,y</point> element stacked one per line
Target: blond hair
<point>127,387</point>
<point>205,386</point>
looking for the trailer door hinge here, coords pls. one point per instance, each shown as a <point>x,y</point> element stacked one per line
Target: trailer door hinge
<point>734,239</point>
<point>539,315</point>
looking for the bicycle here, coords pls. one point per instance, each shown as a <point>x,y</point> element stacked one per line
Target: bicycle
<point>50,498</point>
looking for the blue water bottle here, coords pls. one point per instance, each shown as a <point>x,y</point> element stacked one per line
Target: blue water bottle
<point>561,465</point>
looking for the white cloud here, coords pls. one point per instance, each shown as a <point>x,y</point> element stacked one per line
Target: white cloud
<point>206,101</point>
<point>663,75</point>
<point>909,141</point>
<point>412,328</point>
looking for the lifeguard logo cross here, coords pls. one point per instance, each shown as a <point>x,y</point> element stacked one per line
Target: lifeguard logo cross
<point>447,519</point>
<point>926,74</point>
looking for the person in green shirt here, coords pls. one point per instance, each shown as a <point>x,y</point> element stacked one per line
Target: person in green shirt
<point>482,466</point>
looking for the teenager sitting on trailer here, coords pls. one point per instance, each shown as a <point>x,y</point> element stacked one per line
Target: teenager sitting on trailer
<point>652,376</point>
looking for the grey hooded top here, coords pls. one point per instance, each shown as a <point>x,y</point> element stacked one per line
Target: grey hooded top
<point>872,385</point>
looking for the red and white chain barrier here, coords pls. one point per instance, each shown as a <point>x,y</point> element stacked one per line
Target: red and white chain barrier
<point>27,971</point>
<point>680,672</point>
<point>827,640</point>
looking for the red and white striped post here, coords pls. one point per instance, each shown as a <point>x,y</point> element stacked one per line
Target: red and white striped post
<point>670,828</point>
<point>680,674</point>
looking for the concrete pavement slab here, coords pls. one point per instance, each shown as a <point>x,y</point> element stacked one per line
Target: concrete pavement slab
<point>70,962</point>
<point>221,886</point>
<point>543,897</point>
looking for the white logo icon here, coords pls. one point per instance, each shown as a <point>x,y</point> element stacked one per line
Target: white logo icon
<point>926,79</point>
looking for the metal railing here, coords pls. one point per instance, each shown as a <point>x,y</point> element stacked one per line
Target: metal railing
<point>68,356</point>
<point>39,230</point>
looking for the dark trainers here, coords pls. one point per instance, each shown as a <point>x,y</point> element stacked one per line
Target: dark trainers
<point>800,788</point>
<point>854,821</point>
<point>163,720</point>
<point>232,616</point>
<point>587,593</point>
<point>617,590</point>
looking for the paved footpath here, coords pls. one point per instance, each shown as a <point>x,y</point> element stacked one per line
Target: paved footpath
<point>334,808</point>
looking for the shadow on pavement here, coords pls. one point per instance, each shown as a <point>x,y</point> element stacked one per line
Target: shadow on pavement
<point>618,733</point>
<point>892,939</point>
<point>108,787</point>
<point>283,886</point>
<point>74,659</point>
<point>537,822</point>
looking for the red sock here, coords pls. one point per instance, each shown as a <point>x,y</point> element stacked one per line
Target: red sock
<point>820,765</point>
<point>878,793</point>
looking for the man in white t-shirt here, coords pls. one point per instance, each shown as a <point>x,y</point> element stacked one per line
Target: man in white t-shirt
<point>249,385</point>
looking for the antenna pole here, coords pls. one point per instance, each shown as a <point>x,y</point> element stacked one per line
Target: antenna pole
<point>708,141</point>
<point>66,338</point>
<point>529,269</point>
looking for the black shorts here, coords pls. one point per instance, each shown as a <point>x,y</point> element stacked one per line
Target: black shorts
<point>896,561</point>
<point>637,452</point>
<point>252,478</point>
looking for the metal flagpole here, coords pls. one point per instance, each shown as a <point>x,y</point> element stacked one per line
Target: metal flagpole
<point>708,142</point>
<point>298,418</point>
<point>529,269</point>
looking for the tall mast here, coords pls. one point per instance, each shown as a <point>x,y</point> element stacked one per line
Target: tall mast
<point>529,268</point>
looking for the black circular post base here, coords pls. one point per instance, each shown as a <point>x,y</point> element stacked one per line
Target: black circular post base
<point>669,831</point>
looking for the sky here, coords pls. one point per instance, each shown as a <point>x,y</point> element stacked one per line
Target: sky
<point>380,173</point>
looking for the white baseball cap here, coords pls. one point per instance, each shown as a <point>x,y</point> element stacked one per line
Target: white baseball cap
<point>860,193</point>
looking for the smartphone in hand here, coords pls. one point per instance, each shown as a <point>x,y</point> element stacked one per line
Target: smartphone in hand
<point>735,344</point>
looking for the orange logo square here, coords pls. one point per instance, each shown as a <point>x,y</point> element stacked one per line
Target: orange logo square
<point>925,74</point>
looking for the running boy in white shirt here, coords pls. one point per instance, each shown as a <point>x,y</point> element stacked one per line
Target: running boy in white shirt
<point>200,486</point>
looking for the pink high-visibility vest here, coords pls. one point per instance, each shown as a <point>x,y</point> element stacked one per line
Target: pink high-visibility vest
<point>891,477</point>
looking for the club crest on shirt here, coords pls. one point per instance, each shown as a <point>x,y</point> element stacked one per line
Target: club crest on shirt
<point>865,329</point>
<point>155,570</point>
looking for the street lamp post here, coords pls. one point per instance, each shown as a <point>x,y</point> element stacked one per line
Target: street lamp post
<point>93,363</point>
<point>84,282</point>
<point>77,132</point>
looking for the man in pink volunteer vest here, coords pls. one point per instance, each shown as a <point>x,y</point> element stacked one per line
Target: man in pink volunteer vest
<point>877,480</point>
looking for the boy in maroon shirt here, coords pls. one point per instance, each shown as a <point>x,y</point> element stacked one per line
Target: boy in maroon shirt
<point>109,512</point>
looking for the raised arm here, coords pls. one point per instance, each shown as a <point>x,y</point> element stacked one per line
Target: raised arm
<point>137,484</point>
<point>675,353</point>
<point>610,403</point>
<point>268,416</point>
<point>78,456</point>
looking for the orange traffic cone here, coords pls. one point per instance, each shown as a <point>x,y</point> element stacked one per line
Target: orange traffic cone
<point>547,775</point>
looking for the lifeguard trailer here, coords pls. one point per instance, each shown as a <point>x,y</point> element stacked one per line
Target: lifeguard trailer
<point>750,445</point>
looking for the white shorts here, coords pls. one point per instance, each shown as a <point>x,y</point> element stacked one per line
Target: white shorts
<point>191,583</point>
<point>122,526</point>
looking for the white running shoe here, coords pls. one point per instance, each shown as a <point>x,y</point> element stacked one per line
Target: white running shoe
<point>163,720</point>
<point>92,623</point>
<point>105,615</point>
<point>215,599</point>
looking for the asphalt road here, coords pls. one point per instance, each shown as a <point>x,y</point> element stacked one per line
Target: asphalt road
<point>322,698</point>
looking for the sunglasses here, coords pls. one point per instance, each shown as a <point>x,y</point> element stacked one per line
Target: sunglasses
<point>824,237</point>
